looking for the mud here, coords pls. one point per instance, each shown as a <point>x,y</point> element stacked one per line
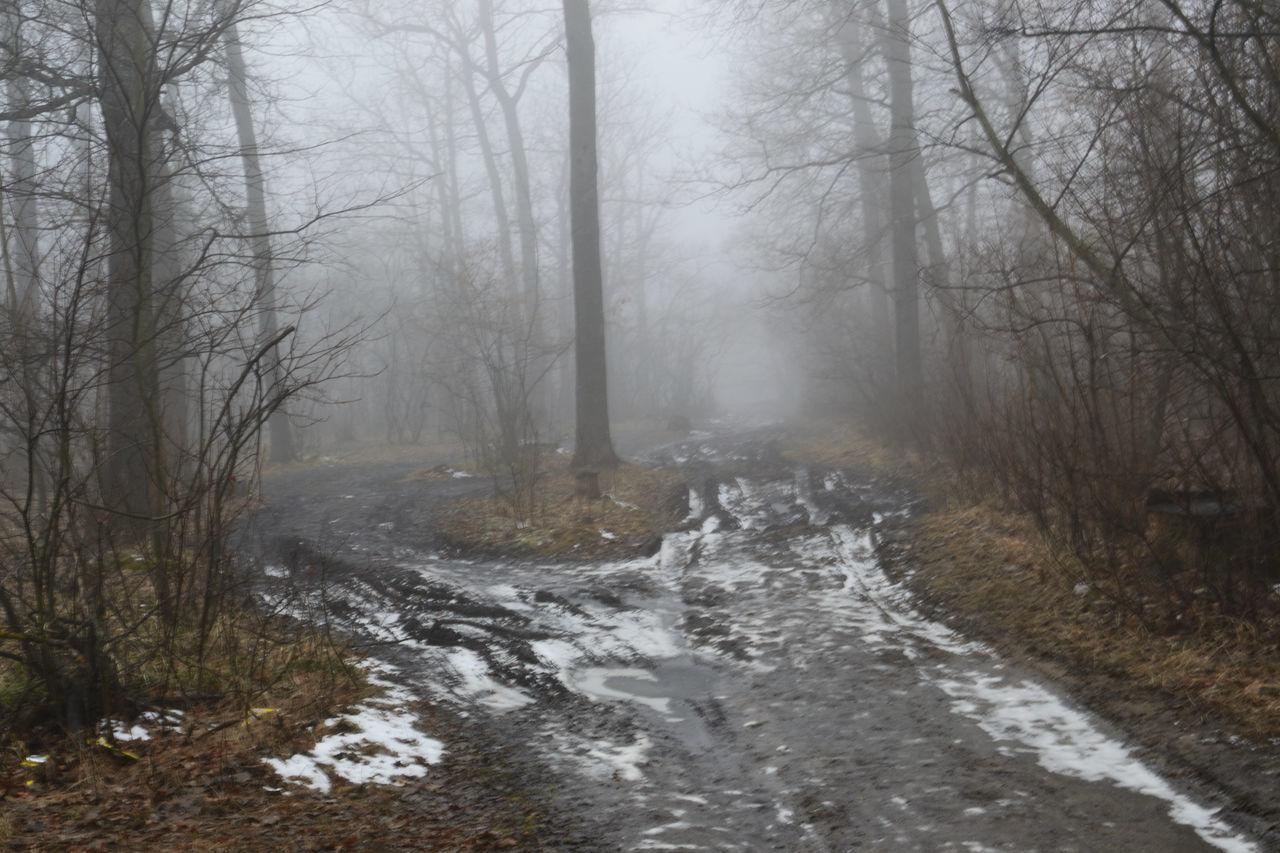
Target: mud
<point>759,684</point>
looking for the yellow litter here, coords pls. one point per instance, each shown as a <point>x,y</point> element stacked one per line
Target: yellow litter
<point>105,744</point>
<point>258,713</point>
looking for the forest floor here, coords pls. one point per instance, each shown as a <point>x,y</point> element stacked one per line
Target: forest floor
<point>1206,711</point>
<point>179,790</point>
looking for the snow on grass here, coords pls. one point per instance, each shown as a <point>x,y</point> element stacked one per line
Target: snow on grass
<point>303,770</point>
<point>146,724</point>
<point>134,732</point>
<point>376,742</point>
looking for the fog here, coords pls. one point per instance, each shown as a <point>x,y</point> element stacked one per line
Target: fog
<point>1030,245</point>
<point>352,220</point>
<point>375,121</point>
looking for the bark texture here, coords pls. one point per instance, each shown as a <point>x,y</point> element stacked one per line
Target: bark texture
<point>594,444</point>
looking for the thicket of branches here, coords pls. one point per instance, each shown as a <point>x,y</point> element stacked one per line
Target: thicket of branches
<point>142,353</point>
<point>1086,201</point>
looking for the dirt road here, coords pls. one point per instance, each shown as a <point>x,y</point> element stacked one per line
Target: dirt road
<point>760,684</point>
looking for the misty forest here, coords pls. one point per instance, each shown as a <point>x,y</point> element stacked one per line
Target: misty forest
<point>685,424</point>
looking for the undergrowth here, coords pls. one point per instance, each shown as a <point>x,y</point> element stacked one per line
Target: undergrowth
<point>974,557</point>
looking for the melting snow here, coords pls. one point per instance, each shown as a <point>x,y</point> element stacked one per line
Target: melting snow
<point>595,682</point>
<point>1063,739</point>
<point>135,732</point>
<point>376,742</point>
<point>476,683</point>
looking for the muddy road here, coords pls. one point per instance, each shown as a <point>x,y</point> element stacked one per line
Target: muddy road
<point>759,684</point>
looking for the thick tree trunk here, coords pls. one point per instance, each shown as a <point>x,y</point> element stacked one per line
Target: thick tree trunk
<point>903,151</point>
<point>279,430</point>
<point>594,443</point>
<point>129,96</point>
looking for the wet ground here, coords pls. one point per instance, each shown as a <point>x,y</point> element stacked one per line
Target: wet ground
<point>759,684</point>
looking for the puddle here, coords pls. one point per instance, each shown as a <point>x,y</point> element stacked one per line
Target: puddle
<point>674,690</point>
<point>636,685</point>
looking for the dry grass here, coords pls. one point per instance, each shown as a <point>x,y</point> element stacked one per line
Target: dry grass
<point>840,444</point>
<point>185,785</point>
<point>994,570</point>
<point>242,657</point>
<point>637,506</point>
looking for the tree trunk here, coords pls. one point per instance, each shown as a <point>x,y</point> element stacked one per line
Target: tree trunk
<point>594,443</point>
<point>871,189</point>
<point>169,289</point>
<point>22,247</point>
<point>519,161</point>
<point>129,98</point>
<point>534,362</point>
<point>502,217</point>
<point>903,151</point>
<point>21,251</point>
<point>280,432</point>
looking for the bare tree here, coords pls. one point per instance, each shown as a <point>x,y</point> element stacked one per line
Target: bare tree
<point>594,448</point>
<point>904,154</point>
<point>129,84</point>
<point>259,227</point>
<point>119,560</point>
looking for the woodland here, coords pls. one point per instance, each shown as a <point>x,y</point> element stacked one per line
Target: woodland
<point>1038,243</point>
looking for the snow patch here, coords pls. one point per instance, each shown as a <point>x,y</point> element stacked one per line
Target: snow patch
<point>376,742</point>
<point>1065,741</point>
<point>134,732</point>
<point>610,684</point>
<point>605,760</point>
<point>477,684</point>
<point>696,506</point>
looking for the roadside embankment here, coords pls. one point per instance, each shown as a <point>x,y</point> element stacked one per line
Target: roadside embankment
<point>1201,701</point>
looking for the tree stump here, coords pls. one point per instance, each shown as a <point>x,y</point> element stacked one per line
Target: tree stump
<point>587,484</point>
